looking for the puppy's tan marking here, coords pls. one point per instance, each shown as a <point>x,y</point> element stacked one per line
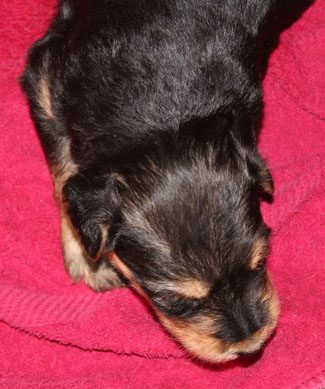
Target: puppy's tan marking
<point>191,288</point>
<point>64,169</point>
<point>266,182</point>
<point>196,338</point>
<point>75,258</point>
<point>104,231</point>
<point>258,252</point>
<point>187,288</point>
<point>44,97</point>
<point>127,273</point>
<point>120,265</point>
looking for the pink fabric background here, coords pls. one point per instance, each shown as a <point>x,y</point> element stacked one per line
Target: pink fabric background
<point>55,334</point>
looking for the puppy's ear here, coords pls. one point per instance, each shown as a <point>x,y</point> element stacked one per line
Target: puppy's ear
<point>93,204</point>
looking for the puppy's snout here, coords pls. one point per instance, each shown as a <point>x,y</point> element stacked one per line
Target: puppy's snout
<point>224,335</point>
<point>241,322</point>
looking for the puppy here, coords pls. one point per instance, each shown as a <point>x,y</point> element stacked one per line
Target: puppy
<point>148,113</point>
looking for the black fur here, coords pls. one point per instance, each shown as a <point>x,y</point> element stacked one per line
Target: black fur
<point>161,102</point>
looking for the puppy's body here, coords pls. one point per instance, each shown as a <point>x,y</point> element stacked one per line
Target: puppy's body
<point>148,113</point>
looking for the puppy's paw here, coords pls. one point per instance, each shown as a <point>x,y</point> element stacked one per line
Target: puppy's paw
<point>98,275</point>
<point>103,278</point>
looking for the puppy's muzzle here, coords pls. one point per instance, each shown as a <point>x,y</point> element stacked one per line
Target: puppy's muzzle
<point>199,335</point>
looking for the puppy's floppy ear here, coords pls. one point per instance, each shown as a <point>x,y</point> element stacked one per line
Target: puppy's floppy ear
<point>93,204</point>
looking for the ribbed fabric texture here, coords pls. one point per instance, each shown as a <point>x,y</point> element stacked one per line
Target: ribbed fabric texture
<point>56,334</point>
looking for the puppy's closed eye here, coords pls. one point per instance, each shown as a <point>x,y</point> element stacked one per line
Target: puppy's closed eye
<point>174,305</point>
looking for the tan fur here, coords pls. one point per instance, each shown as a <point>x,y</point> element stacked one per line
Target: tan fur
<point>104,232</point>
<point>120,265</point>
<point>197,339</point>
<point>127,273</point>
<point>266,182</point>
<point>44,97</point>
<point>75,259</point>
<point>64,169</point>
<point>258,253</point>
<point>188,288</point>
<point>191,288</point>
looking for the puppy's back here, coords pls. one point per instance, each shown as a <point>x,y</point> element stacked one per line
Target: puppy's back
<point>130,72</point>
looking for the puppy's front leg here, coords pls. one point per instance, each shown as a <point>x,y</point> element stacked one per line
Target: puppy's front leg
<point>84,238</point>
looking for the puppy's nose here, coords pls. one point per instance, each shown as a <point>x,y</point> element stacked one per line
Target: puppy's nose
<point>242,321</point>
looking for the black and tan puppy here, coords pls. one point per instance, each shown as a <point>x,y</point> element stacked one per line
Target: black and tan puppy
<point>148,113</point>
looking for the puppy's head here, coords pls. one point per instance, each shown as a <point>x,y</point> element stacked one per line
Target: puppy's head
<point>189,236</point>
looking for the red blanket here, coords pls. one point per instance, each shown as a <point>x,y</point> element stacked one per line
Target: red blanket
<point>55,334</point>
